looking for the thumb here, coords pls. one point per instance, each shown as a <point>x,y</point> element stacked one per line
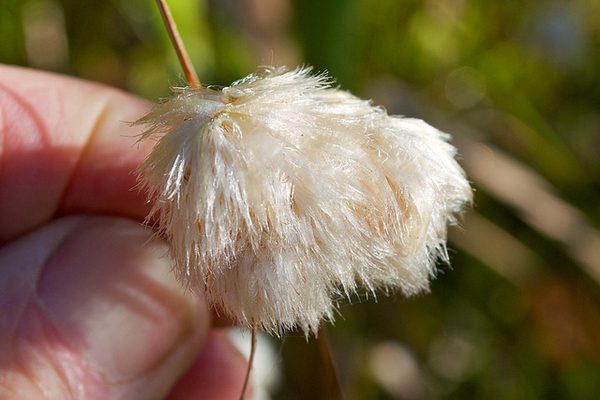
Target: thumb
<point>89,309</point>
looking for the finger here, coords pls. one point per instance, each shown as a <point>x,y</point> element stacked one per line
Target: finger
<point>65,146</point>
<point>90,310</point>
<point>217,374</point>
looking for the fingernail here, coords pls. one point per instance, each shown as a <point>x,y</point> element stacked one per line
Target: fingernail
<point>109,291</point>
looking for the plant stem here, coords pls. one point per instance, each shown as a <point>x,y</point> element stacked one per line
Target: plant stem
<point>182,55</point>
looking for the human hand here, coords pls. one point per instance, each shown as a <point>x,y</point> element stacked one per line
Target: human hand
<point>89,308</point>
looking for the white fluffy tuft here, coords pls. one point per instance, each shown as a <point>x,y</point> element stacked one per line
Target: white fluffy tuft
<point>281,195</point>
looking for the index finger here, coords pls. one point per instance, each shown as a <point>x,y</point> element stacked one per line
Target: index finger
<point>65,147</point>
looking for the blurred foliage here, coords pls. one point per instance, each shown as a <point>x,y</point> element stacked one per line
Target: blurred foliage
<point>517,82</point>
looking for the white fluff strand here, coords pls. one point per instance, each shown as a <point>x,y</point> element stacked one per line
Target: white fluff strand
<point>280,195</point>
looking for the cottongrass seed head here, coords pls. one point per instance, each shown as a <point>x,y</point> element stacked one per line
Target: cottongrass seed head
<point>281,195</point>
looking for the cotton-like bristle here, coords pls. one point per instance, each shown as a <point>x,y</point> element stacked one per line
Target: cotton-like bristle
<point>281,195</point>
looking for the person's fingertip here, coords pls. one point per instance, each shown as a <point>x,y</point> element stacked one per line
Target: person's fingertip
<point>68,148</point>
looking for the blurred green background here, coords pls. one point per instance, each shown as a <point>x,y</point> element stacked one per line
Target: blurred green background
<point>517,83</point>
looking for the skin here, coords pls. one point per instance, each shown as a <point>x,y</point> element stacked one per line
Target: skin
<point>88,306</point>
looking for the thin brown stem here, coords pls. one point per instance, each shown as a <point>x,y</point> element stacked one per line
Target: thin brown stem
<point>184,59</point>
<point>333,380</point>
<point>250,362</point>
